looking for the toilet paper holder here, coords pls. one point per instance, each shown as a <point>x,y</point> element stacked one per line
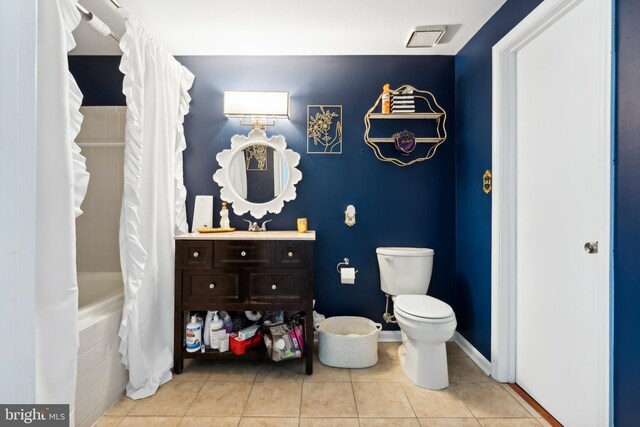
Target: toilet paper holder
<point>344,263</point>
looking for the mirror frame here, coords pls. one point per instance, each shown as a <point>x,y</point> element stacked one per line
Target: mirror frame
<point>227,192</point>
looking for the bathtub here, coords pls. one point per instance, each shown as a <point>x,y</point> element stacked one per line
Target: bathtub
<point>101,376</point>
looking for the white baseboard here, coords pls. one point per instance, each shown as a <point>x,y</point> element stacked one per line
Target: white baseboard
<point>473,354</point>
<point>389,336</point>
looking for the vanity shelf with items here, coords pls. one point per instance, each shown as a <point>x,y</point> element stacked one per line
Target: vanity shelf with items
<point>242,271</point>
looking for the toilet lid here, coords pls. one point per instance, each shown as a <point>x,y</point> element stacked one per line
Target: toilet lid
<point>423,306</point>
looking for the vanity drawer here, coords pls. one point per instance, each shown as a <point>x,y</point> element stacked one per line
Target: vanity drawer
<point>291,254</point>
<point>243,253</point>
<point>196,253</point>
<point>202,286</point>
<point>277,286</point>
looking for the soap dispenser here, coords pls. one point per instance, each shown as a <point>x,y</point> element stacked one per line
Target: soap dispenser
<point>224,216</point>
<point>215,328</point>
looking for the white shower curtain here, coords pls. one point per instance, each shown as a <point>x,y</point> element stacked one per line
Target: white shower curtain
<point>61,184</point>
<point>153,208</point>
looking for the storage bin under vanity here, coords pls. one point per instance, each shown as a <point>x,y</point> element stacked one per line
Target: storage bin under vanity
<point>242,271</point>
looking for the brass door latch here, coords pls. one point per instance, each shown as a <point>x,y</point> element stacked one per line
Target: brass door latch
<point>486,182</point>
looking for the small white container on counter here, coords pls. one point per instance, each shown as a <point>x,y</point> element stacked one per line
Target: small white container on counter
<point>348,342</point>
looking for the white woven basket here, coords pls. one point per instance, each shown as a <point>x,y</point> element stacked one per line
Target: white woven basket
<point>348,342</point>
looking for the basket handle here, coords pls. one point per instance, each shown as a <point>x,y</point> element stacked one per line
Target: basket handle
<point>378,326</point>
<point>316,327</point>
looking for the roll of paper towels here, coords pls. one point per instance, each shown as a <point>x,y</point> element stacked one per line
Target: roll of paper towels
<point>347,275</point>
<point>202,213</point>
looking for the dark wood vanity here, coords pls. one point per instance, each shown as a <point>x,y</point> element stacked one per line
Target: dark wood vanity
<point>241,271</point>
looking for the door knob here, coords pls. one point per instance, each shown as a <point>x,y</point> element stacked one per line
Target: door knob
<point>212,285</point>
<point>196,254</point>
<point>243,253</point>
<point>591,247</point>
<point>274,286</point>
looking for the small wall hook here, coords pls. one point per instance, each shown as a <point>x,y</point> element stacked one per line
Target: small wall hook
<point>350,216</point>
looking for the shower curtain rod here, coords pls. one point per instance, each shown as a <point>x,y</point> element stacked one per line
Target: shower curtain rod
<point>96,23</point>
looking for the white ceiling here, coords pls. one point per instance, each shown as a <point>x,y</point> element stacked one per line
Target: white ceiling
<point>290,27</point>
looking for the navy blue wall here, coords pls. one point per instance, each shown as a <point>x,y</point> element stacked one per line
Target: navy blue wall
<point>626,220</point>
<point>99,79</point>
<point>473,157</point>
<point>412,206</point>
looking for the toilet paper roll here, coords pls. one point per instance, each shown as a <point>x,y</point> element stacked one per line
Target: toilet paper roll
<point>202,213</point>
<point>347,275</point>
<point>253,315</point>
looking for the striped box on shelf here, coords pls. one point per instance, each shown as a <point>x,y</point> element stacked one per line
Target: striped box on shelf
<point>403,103</point>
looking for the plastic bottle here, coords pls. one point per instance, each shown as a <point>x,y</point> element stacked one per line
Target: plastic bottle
<point>215,326</point>
<point>194,335</point>
<point>227,321</point>
<point>386,99</point>
<point>206,337</point>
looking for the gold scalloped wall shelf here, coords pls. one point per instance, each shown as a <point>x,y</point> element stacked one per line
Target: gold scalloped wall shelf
<point>436,113</point>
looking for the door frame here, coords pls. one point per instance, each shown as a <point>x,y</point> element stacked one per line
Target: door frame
<point>19,50</point>
<point>503,218</point>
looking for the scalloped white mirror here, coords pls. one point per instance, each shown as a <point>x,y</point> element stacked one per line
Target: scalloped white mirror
<point>257,174</point>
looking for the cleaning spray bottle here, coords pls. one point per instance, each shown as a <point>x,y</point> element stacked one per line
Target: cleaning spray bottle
<point>214,328</point>
<point>194,335</point>
<point>386,99</point>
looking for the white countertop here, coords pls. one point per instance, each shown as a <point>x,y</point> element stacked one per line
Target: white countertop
<point>250,235</point>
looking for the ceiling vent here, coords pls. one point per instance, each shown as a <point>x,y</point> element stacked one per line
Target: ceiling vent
<point>426,36</point>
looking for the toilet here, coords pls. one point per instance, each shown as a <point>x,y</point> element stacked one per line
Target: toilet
<point>426,322</point>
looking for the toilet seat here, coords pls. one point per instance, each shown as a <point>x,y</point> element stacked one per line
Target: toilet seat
<point>423,308</point>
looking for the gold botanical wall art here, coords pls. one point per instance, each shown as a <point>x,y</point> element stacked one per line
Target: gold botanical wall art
<point>324,129</point>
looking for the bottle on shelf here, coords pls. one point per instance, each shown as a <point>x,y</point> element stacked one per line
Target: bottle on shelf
<point>386,99</point>
<point>194,335</point>
<point>215,330</point>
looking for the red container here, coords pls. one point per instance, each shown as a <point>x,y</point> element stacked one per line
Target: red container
<point>240,347</point>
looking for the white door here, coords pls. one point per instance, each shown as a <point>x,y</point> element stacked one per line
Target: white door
<point>562,179</point>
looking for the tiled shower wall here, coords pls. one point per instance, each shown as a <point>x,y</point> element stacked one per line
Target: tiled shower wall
<point>101,139</point>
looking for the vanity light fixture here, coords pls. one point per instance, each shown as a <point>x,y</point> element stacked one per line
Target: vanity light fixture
<point>257,109</point>
<point>427,36</point>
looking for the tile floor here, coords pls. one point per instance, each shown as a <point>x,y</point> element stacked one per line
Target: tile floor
<point>210,393</point>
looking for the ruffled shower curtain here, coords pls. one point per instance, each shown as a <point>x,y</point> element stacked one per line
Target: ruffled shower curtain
<point>153,208</point>
<point>61,184</point>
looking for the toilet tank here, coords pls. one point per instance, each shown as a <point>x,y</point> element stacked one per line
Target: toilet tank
<point>405,271</point>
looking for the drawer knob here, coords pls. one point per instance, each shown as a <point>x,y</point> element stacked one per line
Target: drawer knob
<point>212,285</point>
<point>274,286</point>
<point>196,254</point>
<point>290,254</point>
<point>243,253</point>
